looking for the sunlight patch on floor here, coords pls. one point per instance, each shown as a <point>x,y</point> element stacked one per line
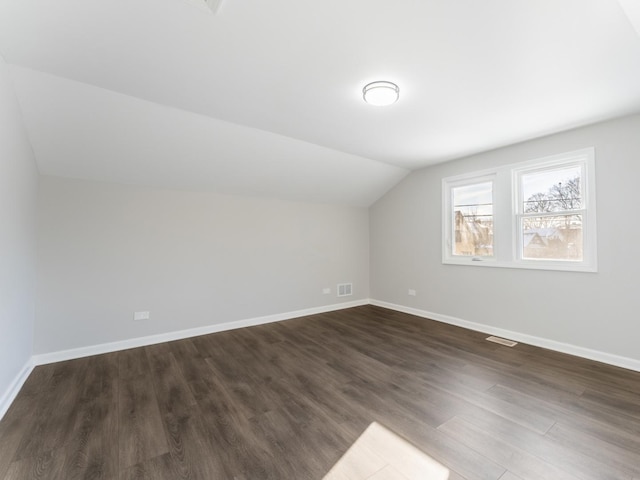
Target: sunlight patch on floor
<point>380,454</point>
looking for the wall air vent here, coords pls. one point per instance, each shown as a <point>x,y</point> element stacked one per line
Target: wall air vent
<point>207,5</point>
<point>344,289</point>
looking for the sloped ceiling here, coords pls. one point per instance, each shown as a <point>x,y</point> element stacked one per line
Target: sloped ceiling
<point>265,98</point>
<point>81,131</point>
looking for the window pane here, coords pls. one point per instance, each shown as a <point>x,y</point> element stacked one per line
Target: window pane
<point>552,190</point>
<point>473,219</point>
<point>556,238</point>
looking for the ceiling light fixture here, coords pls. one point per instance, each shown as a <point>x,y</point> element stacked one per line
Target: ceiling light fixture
<point>381,93</point>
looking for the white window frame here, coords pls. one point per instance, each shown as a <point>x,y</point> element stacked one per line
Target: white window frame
<point>507,214</point>
<point>449,227</point>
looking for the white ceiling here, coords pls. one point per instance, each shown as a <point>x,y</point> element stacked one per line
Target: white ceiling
<point>265,97</point>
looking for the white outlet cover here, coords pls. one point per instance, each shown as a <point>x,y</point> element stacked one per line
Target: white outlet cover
<point>326,291</point>
<point>141,315</point>
<point>412,292</point>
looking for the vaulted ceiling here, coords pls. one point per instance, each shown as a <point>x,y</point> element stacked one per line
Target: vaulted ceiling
<point>265,98</point>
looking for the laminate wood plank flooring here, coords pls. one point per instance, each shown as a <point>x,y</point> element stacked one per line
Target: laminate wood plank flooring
<point>287,400</point>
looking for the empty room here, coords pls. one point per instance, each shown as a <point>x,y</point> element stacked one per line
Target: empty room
<point>294,240</point>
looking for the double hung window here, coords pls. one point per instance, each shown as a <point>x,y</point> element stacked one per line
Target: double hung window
<point>538,214</point>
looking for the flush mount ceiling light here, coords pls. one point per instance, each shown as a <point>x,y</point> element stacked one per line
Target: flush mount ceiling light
<point>381,93</point>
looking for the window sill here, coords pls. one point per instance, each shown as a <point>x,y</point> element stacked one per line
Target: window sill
<point>524,265</point>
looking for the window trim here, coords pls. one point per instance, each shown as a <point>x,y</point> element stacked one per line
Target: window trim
<point>507,237</point>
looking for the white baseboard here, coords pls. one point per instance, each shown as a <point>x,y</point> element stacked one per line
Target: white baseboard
<point>9,396</point>
<point>611,359</point>
<point>74,353</point>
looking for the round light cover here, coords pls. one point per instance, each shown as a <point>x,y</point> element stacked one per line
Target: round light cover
<point>381,93</point>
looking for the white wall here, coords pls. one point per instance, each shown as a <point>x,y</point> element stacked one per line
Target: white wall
<point>596,311</point>
<point>18,193</point>
<point>191,259</point>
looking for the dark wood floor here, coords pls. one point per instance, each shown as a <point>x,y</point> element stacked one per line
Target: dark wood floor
<point>286,400</point>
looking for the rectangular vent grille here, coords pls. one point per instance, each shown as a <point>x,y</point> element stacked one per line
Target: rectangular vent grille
<point>344,289</point>
<point>502,341</point>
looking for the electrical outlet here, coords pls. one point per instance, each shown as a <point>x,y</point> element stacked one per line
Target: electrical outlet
<point>326,291</point>
<point>141,315</point>
<point>412,292</point>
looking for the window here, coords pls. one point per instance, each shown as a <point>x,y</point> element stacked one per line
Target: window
<point>472,220</point>
<point>538,214</point>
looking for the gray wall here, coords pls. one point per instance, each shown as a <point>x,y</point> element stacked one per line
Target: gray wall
<point>191,259</point>
<point>596,311</point>
<point>18,193</point>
